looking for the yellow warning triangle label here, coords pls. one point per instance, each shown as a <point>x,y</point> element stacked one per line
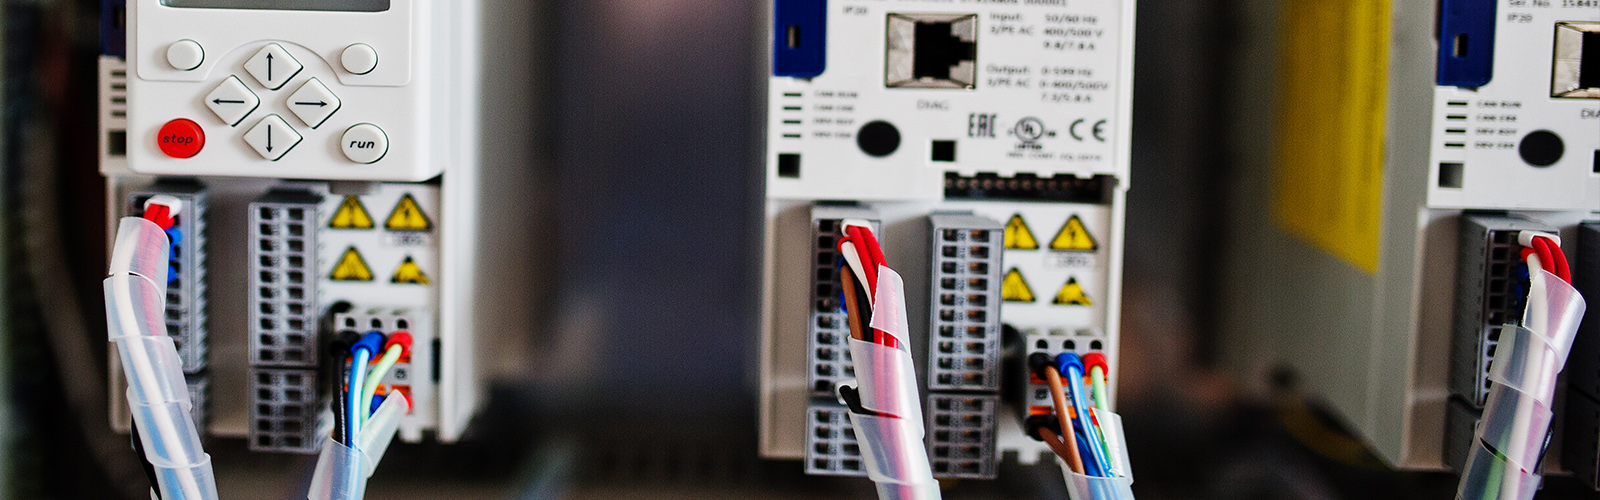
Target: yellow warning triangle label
<point>1018,236</point>
<point>351,267</point>
<point>1074,237</point>
<point>1071,294</point>
<point>1014,288</point>
<point>407,216</point>
<point>410,273</point>
<point>351,215</point>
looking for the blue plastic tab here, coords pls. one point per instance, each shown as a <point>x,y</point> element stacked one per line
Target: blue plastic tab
<point>1466,42</point>
<point>799,38</point>
<point>114,28</point>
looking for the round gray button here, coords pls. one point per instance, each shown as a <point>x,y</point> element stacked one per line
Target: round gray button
<point>185,54</point>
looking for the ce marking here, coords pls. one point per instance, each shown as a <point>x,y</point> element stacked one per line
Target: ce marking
<point>1098,131</point>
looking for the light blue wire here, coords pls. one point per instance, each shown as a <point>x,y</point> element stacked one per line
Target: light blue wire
<point>1075,391</point>
<point>358,374</point>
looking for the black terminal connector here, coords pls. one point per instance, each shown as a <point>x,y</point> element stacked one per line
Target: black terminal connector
<point>1033,423</point>
<point>1039,363</point>
<point>339,348</point>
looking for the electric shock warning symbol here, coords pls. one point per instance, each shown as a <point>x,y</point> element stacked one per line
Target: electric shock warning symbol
<point>1074,237</point>
<point>407,216</point>
<point>351,267</point>
<point>1018,236</point>
<point>409,273</point>
<point>1072,294</point>
<point>351,215</point>
<point>1014,288</point>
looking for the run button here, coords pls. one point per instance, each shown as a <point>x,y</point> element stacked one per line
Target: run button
<point>181,138</point>
<point>364,143</point>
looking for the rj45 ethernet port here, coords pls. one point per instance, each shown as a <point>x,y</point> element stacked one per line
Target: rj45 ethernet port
<point>932,51</point>
<point>1577,61</point>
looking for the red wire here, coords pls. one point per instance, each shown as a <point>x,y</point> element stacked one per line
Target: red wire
<point>159,214</point>
<point>871,255</point>
<point>1558,259</point>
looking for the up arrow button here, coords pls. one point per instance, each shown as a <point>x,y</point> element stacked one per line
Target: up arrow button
<point>273,66</point>
<point>313,103</point>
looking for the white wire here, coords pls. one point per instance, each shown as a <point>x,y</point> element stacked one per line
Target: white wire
<point>853,261</point>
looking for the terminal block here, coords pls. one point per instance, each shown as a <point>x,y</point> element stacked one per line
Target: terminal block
<point>413,374</point>
<point>831,447</point>
<point>283,410</point>
<point>961,435</point>
<point>1583,363</point>
<point>1489,295</point>
<point>200,395</point>
<point>283,265</point>
<point>964,344</point>
<point>1581,442</point>
<point>1036,392</point>
<point>829,352</point>
<point>1461,420</point>
<point>186,285</point>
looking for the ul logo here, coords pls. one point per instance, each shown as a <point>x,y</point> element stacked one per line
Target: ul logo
<point>1030,130</point>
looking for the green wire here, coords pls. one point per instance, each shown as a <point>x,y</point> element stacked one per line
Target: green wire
<point>376,377</point>
<point>1098,376</point>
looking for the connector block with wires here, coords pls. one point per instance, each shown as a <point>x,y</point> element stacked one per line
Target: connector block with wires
<point>1080,427</point>
<point>883,403</point>
<point>186,280</point>
<point>828,355</point>
<point>1508,447</point>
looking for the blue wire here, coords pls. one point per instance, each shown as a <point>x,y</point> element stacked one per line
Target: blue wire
<point>358,374</point>
<point>1090,467</point>
<point>1075,392</point>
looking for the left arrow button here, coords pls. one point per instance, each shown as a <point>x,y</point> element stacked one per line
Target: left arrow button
<point>232,101</point>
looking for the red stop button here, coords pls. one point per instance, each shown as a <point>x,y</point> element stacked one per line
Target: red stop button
<point>181,138</point>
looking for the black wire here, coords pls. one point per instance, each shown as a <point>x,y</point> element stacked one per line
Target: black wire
<point>149,468</point>
<point>338,405</point>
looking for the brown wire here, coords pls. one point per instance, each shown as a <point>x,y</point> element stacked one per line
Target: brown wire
<point>1058,396</point>
<point>1058,445</point>
<point>852,304</point>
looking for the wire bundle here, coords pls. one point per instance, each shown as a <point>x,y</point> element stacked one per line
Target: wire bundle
<point>884,406</point>
<point>1092,450</point>
<point>135,292</point>
<point>1510,440</point>
<point>863,257</point>
<point>356,396</point>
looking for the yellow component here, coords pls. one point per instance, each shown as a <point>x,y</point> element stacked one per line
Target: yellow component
<point>1014,288</point>
<point>1072,294</point>
<point>351,215</point>
<point>410,273</point>
<point>407,216</point>
<point>1328,181</point>
<point>1018,236</point>
<point>1074,237</point>
<point>351,267</point>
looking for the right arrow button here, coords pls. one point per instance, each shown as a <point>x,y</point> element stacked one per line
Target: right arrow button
<point>313,103</point>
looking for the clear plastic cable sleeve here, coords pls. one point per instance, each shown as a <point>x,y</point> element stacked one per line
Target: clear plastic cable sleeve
<point>892,446</point>
<point>157,395</point>
<point>1513,433</point>
<point>1118,487</point>
<point>340,474</point>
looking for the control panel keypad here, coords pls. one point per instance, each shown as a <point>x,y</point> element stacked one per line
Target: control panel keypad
<point>233,101</point>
